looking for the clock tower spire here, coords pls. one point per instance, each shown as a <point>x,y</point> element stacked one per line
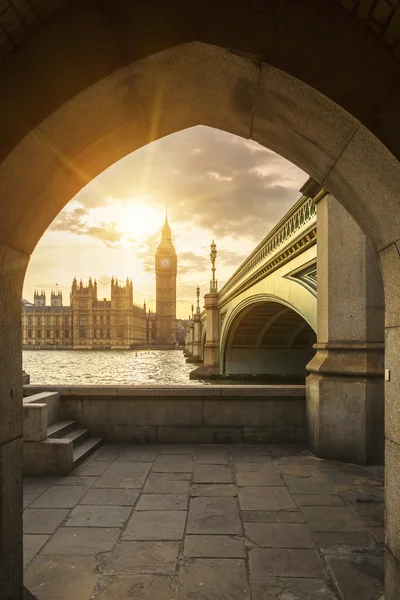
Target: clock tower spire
<point>166,269</point>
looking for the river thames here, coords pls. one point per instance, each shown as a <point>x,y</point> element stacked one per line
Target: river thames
<point>107,367</point>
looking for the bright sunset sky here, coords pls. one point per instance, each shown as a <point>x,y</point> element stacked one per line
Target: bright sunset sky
<point>216,186</point>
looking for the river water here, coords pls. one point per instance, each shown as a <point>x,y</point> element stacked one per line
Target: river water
<point>107,367</point>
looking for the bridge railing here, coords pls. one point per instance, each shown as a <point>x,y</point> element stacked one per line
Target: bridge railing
<point>300,218</point>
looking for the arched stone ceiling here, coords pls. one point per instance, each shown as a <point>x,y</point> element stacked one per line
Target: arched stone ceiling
<point>53,49</point>
<point>271,325</point>
<point>18,18</point>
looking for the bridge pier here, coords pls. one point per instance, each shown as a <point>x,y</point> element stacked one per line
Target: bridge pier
<point>189,340</point>
<point>210,367</point>
<point>345,388</point>
<point>196,341</point>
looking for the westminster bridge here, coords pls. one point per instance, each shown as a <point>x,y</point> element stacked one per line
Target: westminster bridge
<point>268,321</point>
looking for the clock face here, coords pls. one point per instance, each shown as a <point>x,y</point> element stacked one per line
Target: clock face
<point>165,263</point>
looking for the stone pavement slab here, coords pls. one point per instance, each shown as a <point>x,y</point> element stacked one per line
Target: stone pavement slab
<point>32,544</point>
<point>62,577</point>
<point>137,587</point>
<point>358,576</point>
<point>81,541</point>
<point>284,588</point>
<point>28,499</point>
<point>318,500</point>
<point>169,476</point>
<point>62,496</point>
<point>331,518</point>
<point>162,502</point>
<point>371,515</point>
<point>169,463</point>
<point>212,458</point>
<point>111,497</point>
<point>93,469</point>
<point>167,487</point>
<point>213,474</point>
<point>214,546</point>
<point>272,516</point>
<point>142,557</point>
<point>214,489</point>
<point>265,498</point>
<point>43,520</point>
<point>299,470</point>
<point>98,516</point>
<point>280,562</point>
<point>280,535</point>
<point>214,515</point>
<point>340,543</point>
<point>209,579</point>
<point>309,485</point>
<point>258,479</point>
<point>155,525</point>
<point>182,449</point>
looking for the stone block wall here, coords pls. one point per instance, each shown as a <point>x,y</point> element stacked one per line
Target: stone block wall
<point>265,414</point>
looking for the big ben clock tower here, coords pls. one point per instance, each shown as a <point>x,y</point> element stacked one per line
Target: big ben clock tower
<point>166,268</point>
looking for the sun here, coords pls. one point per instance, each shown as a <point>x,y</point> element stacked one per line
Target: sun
<point>135,219</point>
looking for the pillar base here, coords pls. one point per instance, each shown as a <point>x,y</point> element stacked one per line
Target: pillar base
<point>345,403</point>
<point>205,372</point>
<point>194,359</point>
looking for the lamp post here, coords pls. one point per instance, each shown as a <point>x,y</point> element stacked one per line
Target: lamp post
<point>213,258</point>
<point>198,300</point>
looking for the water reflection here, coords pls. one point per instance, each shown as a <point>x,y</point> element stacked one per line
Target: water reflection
<point>107,367</point>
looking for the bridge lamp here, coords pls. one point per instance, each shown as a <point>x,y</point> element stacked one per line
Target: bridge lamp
<point>213,258</point>
<point>198,300</point>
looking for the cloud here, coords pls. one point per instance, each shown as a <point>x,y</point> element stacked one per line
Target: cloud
<point>75,221</point>
<point>223,183</point>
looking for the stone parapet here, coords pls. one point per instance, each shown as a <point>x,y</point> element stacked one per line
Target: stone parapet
<point>186,414</point>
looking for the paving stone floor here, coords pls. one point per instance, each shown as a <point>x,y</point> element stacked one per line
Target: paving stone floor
<point>205,523</point>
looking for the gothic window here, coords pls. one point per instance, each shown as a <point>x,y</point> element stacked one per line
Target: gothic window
<point>39,333</point>
<point>57,333</point>
<point>29,333</point>
<point>66,333</point>
<point>48,333</point>
<point>82,332</point>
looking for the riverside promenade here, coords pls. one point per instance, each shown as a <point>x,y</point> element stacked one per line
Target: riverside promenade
<point>205,522</point>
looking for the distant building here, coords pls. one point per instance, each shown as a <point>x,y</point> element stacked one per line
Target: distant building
<point>166,264</point>
<point>89,323</point>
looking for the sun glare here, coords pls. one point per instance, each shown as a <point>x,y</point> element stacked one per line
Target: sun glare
<point>135,219</point>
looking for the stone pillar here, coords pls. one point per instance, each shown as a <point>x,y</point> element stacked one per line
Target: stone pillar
<point>345,388</point>
<point>12,270</point>
<point>211,347</point>
<point>196,343</point>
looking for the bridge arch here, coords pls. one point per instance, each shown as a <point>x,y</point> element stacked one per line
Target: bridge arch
<point>266,335</point>
<point>308,82</point>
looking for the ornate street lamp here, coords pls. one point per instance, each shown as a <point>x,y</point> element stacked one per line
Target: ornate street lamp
<point>198,300</point>
<point>213,258</point>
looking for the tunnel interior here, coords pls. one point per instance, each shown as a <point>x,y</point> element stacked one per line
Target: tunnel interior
<point>270,341</point>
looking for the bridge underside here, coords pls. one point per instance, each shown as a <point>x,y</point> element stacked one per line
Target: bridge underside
<point>269,338</point>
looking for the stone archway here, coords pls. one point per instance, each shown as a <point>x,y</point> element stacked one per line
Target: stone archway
<point>268,338</point>
<point>313,85</point>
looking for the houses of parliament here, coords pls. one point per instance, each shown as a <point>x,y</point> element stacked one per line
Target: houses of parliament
<point>118,323</point>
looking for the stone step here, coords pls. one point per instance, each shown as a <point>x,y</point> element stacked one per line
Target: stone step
<point>60,428</point>
<point>84,449</point>
<point>77,436</point>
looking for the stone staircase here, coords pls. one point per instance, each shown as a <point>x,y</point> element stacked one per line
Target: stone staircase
<point>52,446</point>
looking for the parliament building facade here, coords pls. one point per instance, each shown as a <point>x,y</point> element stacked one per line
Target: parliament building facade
<point>90,323</point>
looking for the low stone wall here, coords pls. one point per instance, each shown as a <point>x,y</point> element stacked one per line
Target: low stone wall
<point>265,414</point>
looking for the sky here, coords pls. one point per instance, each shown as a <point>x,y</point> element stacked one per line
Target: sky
<point>215,185</point>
